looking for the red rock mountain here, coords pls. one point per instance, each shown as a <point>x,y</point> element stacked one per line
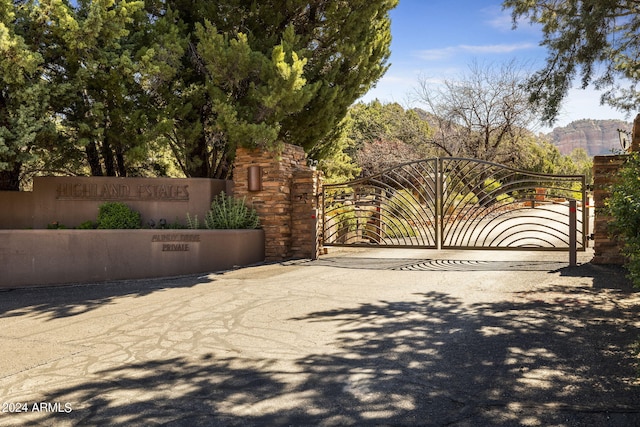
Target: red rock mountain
<point>596,137</point>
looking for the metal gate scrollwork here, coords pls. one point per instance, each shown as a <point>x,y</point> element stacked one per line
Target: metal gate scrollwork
<point>457,203</point>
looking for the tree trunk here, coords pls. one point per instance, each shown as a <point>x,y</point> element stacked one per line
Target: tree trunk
<point>93,158</point>
<point>122,170</point>
<point>10,179</point>
<point>198,160</point>
<point>107,156</point>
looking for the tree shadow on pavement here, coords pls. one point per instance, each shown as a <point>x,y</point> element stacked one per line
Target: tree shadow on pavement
<point>553,356</point>
<point>605,276</point>
<point>72,300</point>
<point>436,264</point>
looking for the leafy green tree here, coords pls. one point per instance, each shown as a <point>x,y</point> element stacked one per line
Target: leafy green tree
<point>624,206</point>
<point>89,56</point>
<point>377,121</point>
<point>338,164</point>
<point>539,155</point>
<point>23,98</point>
<point>596,40</point>
<point>87,109</point>
<point>385,135</point>
<point>108,87</point>
<point>260,73</point>
<point>583,163</point>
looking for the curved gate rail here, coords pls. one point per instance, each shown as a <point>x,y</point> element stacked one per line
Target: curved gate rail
<point>457,203</point>
<point>394,208</point>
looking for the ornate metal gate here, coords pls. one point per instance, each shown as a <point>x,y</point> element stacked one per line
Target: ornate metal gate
<point>457,203</point>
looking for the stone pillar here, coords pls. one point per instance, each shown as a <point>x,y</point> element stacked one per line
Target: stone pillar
<point>307,185</point>
<point>606,249</point>
<point>635,135</point>
<point>286,202</point>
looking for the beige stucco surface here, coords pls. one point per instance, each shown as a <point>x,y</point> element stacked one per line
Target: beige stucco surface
<point>70,201</point>
<point>43,257</point>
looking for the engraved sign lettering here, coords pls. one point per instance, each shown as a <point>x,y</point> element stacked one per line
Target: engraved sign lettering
<point>160,192</point>
<point>176,242</point>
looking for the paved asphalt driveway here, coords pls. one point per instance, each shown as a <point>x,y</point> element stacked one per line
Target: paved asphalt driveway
<point>368,337</point>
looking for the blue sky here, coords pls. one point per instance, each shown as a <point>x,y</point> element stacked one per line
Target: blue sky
<point>438,39</point>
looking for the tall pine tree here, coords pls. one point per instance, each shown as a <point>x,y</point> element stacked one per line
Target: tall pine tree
<point>259,73</point>
<point>101,86</point>
<point>23,97</point>
<point>90,59</point>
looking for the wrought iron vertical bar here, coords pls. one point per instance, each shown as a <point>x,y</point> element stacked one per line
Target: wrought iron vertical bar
<point>585,213</point>
<point>573,251</point>
<point>324,217</point>
<point>439,196</point>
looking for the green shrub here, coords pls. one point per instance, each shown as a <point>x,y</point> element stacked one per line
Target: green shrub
<point>624,206</point>
<point>87,225</point>
<point>55,226</point>
<point>116,215</point>
<point>345,217</point>
<point>403,202</point>
<point>173,225</point>
<point>399,227</point>
<point>492,186</point>
<point>193,223</point>
<point>230,213</point>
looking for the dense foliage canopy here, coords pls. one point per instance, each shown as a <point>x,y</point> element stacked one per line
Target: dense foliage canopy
<point>118,87</point>
<point>624,206</point>
<point>379,136</point>
<point>596,40</point>
<point>385,135</point>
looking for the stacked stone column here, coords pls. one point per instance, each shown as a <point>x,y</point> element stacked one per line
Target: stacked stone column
<point>607,250</point>
<point>605,170</point>
<point>286,200</point>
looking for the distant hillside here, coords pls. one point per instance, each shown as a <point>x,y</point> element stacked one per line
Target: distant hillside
<point>596,137</point>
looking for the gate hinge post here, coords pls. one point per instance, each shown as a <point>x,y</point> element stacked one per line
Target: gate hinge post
<point>573,223</point>
<point>439,196</point>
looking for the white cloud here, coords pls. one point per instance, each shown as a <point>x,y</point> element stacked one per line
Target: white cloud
<point>497,48</point>
<point>502,21</point>
<point>436,54</point>
<point>450,51</point>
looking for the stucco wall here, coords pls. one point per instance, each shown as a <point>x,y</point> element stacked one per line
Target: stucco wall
<point>16,209</point>
<point>46,257</point>
<point>71,201</point>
